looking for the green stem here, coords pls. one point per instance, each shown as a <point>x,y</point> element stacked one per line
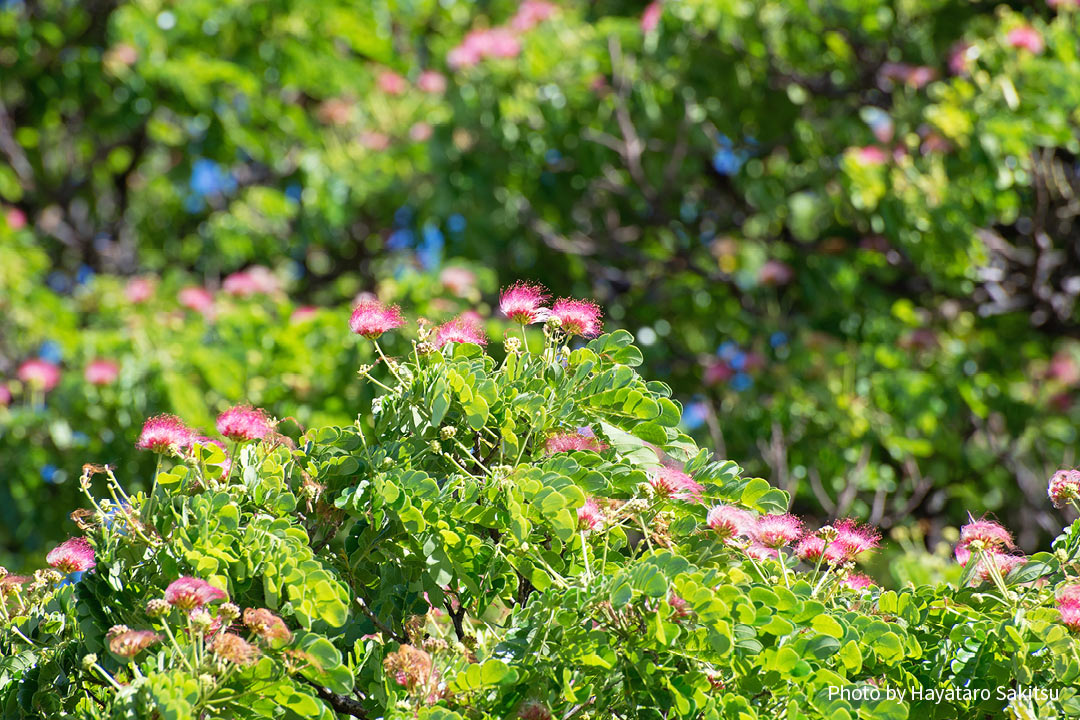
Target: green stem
<point>585,553</point>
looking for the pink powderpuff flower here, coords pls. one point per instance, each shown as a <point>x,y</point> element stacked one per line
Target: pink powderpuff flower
<point>1069,592</point>
<point>198,299</point>
<point>482,44</point>
<point>572,442</point>
<point>256,280</point>
<point>39,374</point>
<point>10,583</point>
<point>462,329</point>
<point>812,548</point>
<point>578,317</point>
<point>72,555</point>
<point>102,372</point>
<point>1027,38</point>
<point>234,649</point>
<point>1070,613</point>
<point>986,532</point>
<point>371,318</point>
<point>777,531</point>
<point>729,522</point>
<point>130,643</point>
<point>188,593</point>
<point>1064,487</point>
<point>853,539</point>
<point>590,516</point>
<point>857,581</point>
<point>669,482</point>
<point>531,13</point>
<point>759,552</point>
<point>138,290</point>
<point>243,423</point>
<point>962,555</point>
<point>523,302</point>
<point>266,625</point>
<point>432,82</point>
<point>391,83</point>
<point>960,58</point>
<point>1004,562</point>
<point>165,434</point>
<point>534,710</point>
<point>650,19</point>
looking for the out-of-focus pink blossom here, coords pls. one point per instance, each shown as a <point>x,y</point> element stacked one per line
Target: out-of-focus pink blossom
<point>1063,368</point>
<point>15,218</point>
<point>101,372</point>
<point>39,374</point>
<point>934,144</point>
<point>531,13</point>
<point>572,442</point>
<point>139,290</point>
<point>255,280</point>
<point>374,140</point>
<point>458,280</point>
<point>391,83</point>
<point>759,552</point>
<point>5,395</point>
<point>1027,38</point>
<point>129,643</point>
<point>72,555</point>
<point>960,58</point>
<point>871,155</point>
<point>650,19</point>
<point>198,299</point>
<point>483,44</point>
<point>717,372</point>
<point>335,111</point>
<point>432,82</point>
<point>916,76</point>
<point>420,132</point>
<point>303,313</point>
<point>774,272</point>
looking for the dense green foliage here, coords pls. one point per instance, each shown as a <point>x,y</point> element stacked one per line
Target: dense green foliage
<point>445,563</point>
<point>845,240</point>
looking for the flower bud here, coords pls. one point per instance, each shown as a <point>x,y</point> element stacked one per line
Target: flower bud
<point>157,608</point>
<point>425,348</point>
<point>229,612</point>
<point>89,660</point>
<point>512,344</point>
<point>447,432</point>
<point>435,447</point>
<point>201,619</point>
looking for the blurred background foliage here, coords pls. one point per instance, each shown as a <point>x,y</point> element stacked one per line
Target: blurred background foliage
<point>842,231</point>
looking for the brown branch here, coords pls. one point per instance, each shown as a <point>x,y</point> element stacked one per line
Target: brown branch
<point>340,703</point>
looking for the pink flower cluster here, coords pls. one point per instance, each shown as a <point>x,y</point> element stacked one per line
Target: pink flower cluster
<point>670,482</point>
<point>850,541</point>
<point>1068,604</point>
<point>590,516</point>
<point>524,303</point>
<point>165,433</point>
<point>573,442</point>
<point>1064,487</point>
<point>372,318</point>
<point>102,372</point>
<point>198,299</point>
<point>465,328</point>
<point>1027,38</point>
<point>72,555</point>
<point>189,593</point>
<point>991,544</point>
<point>244,423</point>
<point>500,42</point>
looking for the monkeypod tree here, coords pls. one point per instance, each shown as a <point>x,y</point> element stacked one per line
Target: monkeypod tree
<point>522,535</point>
